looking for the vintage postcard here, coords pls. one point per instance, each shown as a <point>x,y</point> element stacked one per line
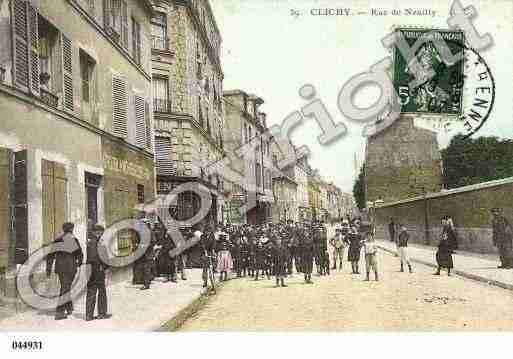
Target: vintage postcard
<point>242,166</point>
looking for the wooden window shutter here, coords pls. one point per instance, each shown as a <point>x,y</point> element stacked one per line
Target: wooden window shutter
<point>20,37</point>
<point>119,107</point>
<point>165,165</point>
<point>124,24</point>
<point>33,33</point>
<point>55,199</point>
<point>67,72</point>
<point>5,211</point>
<point>147,120</point>
<point>60,183</point>
<point>140,121</point>
<point>20,207</point>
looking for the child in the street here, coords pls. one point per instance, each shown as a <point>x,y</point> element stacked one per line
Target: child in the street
<point>371,261</point>
<point>402,248</point>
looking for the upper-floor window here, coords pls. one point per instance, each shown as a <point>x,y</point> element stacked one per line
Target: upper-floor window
<point>161,101</point>
<point>115,14</point>
<point>159,32</point>
<point>87,65</point>
<point>136,41</point>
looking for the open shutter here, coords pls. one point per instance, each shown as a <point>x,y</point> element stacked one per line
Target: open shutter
<point>119,107</point>
<point>33,43</point>
<point>60,184</point>
<point>20,206</point>
<point>124,24</point>
<point>147,121</point>
<point>5,213</point>
<point>165,165</point>
<point>67,72</point>
<point>106,14</point>
<point>20,46</point>
<point>55,199</point>
<point>48,201</point>
<point>140,121</point>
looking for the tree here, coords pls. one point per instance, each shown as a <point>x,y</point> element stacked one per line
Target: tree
<point>468,161</point>
<point>359,189</point>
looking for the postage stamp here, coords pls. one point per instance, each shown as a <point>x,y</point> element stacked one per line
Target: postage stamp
<point>437,94</point>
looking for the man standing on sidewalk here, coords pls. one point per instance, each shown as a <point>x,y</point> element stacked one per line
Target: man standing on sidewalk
<point>402,248</point>
<point>67,256</point>
<point>502,238</point>
<point>96,283</point>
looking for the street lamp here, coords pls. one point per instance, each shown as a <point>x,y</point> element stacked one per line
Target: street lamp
<point>371,205</point>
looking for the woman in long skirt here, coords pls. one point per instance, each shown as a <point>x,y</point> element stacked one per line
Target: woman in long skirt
<point>446,248</point>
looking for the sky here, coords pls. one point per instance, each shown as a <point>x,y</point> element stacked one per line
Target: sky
<point>268,51</point>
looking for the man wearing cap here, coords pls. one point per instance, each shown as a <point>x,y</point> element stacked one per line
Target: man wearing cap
<point>96,284</point>
<point>67,255</point>
<point>502,238</point>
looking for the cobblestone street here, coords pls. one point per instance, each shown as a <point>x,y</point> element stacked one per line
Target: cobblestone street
<point>399,301</point>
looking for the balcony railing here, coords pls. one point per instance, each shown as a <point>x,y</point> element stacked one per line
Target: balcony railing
<point>161,105</point>
<point>49,98</point>
<point>160,43</point>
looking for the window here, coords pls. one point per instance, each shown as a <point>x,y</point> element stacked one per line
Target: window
<point>258,174</point>
<point>161,94</point>
<point>140,193</point>
<point>86,75</point>
<point>159,32</point>
<point>116,20</point>
<point>136,41</point>
<point>90,4</point>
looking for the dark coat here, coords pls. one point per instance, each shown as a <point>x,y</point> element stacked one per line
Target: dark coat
<point>446,247</point>
<point>67,261</point>
<point>94,248</point>
<point>355,247</point>
<point>280,255</point>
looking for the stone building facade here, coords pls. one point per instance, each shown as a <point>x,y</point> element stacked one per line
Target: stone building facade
<point>76,139</point>
<point>402,161</point>
<point>187,102</point>
<point>246,131</point>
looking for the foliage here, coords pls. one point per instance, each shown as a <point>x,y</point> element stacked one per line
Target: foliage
<point>359,189</point>
<point>468,161</point>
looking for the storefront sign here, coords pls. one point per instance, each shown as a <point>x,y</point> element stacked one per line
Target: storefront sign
<point>126,167</point>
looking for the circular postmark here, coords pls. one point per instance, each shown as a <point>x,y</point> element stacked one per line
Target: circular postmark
<point>478,94</point>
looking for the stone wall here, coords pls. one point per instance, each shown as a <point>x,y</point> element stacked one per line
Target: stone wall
<point>400,161</point>
<point>468,206</point>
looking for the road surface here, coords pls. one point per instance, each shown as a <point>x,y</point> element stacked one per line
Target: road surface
<point>345,302</point>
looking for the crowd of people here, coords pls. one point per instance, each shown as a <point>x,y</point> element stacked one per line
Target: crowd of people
<point>255,251</point>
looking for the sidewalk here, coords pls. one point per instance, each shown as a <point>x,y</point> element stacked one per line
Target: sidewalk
<point>482,268</point>
<point>131,308</point>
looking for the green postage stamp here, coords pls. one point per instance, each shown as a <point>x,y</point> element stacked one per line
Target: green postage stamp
<point>440,94</point>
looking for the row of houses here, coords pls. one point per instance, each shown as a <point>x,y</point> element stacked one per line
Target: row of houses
<point>106,104</point>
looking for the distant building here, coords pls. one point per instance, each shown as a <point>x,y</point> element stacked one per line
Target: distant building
<point>246,131</point>
<point>187,103</point>
<point>402,161</point>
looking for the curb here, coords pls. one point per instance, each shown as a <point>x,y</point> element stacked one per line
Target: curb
<point>190,309</point>
<point>461,273</point>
